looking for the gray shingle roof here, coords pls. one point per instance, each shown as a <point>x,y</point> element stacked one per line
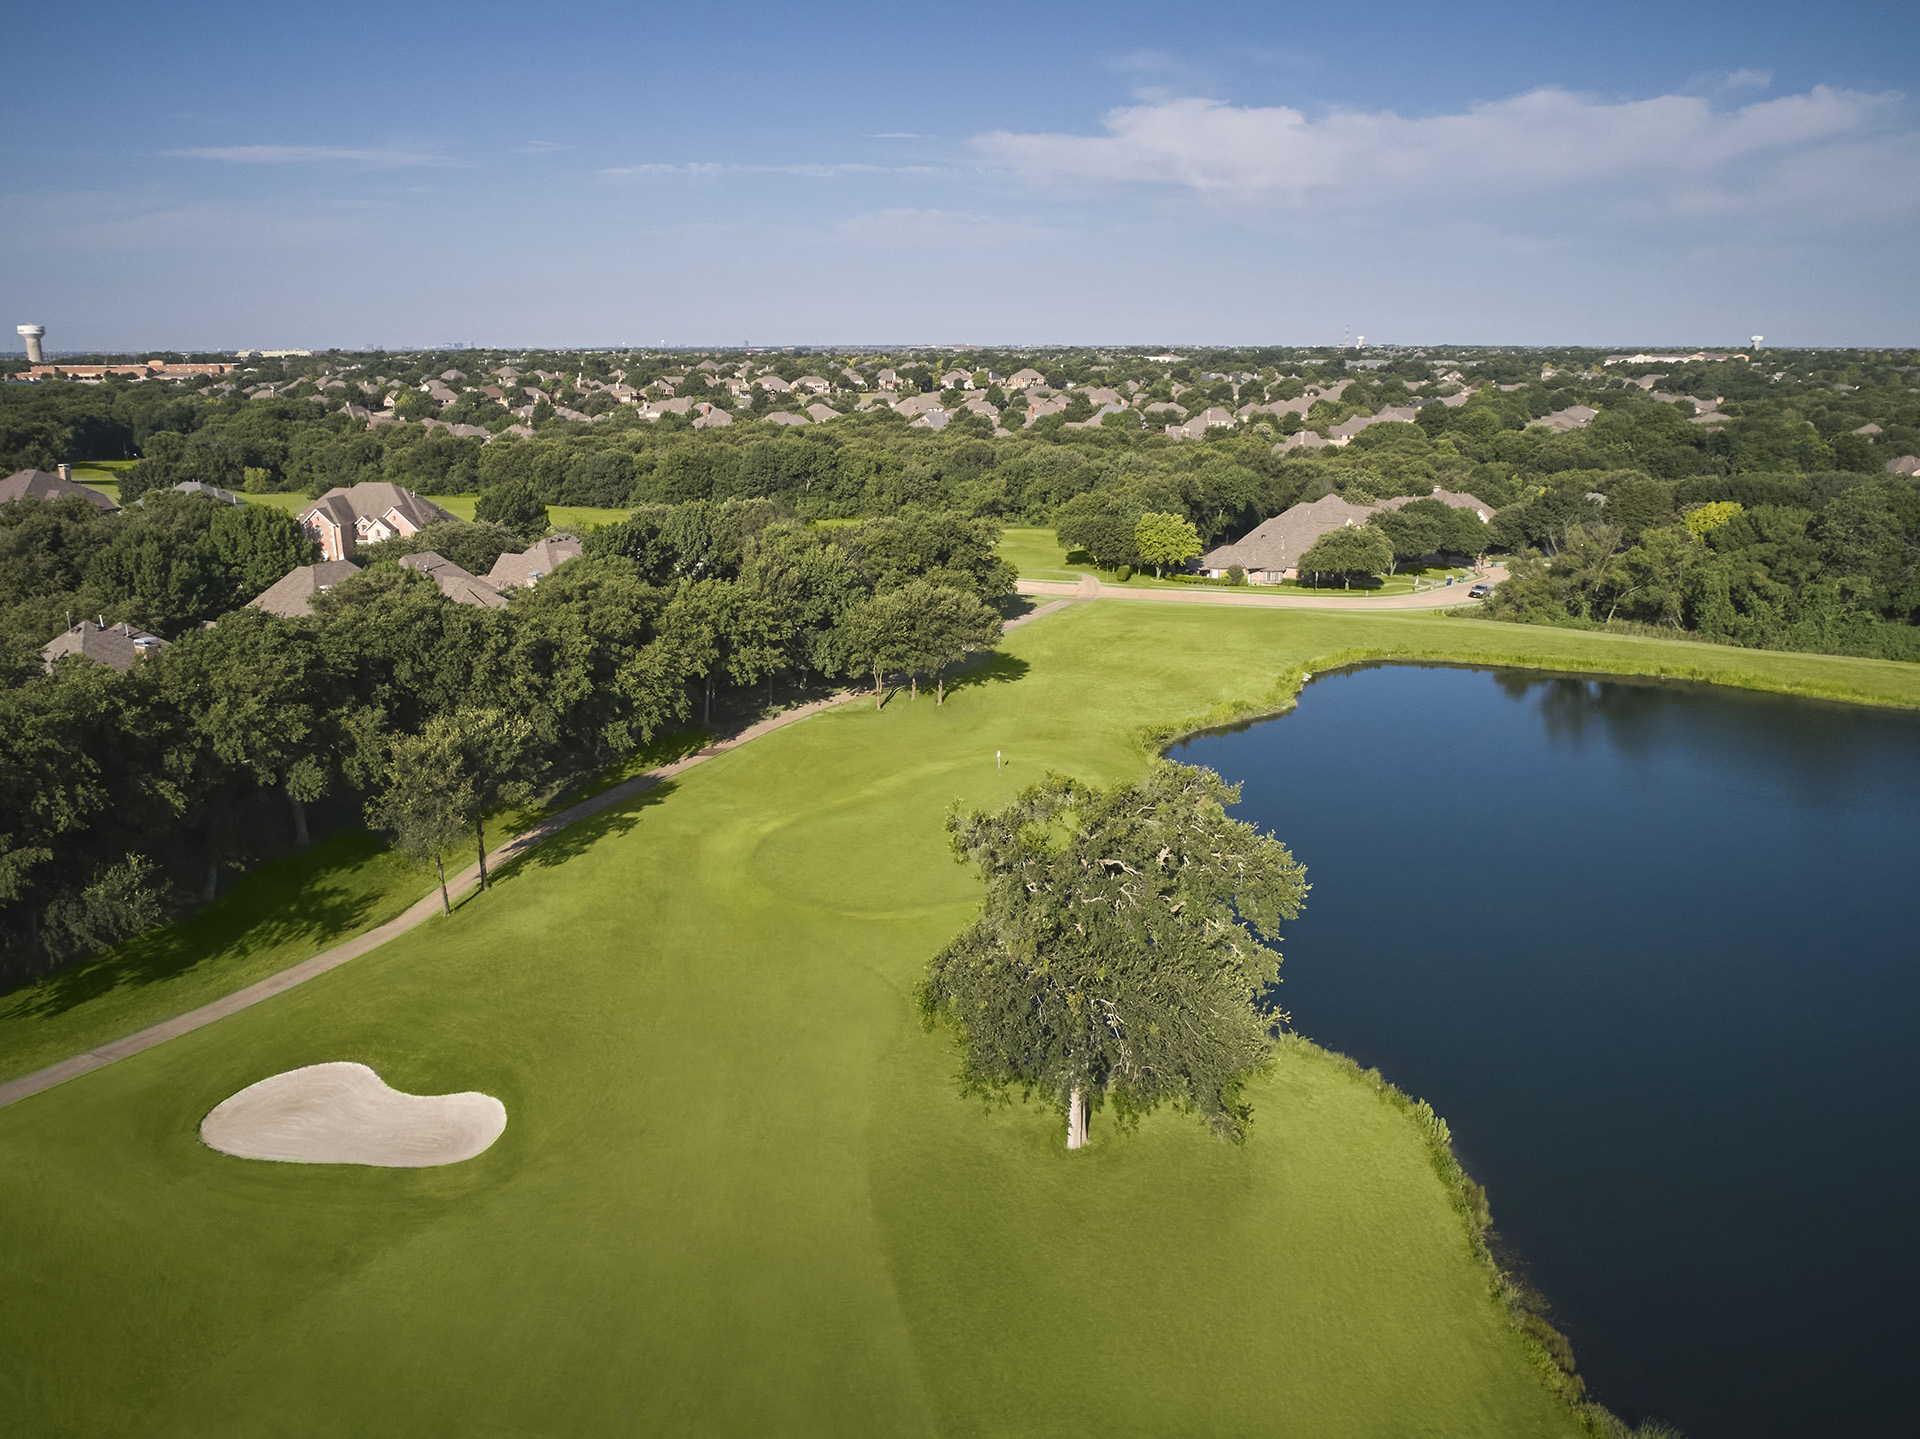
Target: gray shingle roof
<point>458,585</point>
<point>116,647</point>
<point>292,594</point>
<point>39,485</point>
<point>533,563</point>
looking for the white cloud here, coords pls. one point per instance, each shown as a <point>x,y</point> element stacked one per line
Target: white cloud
<point>1663,154</point>
<point>385,159</point>
<point>707,170</point>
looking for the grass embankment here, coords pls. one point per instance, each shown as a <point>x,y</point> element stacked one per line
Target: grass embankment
<point>737,1192</point>
<point>1037,555</point>
<point>271,919</point>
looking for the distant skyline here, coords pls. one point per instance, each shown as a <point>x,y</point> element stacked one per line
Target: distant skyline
<point>575,175</point>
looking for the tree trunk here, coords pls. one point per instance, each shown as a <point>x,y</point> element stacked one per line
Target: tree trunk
<point>480,839</point>
<point>876,688</point>
<point>913,678</point>
<point>445,903</point>
<point>213,872</point>
<point>709,719</point>
<point>1076,1119</point>
<point>940,687</point>
<point>300,835</point>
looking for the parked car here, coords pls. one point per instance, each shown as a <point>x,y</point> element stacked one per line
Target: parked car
<point>1479,592</point>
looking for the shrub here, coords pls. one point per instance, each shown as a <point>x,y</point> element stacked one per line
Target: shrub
<point>1236,575</point>
<point>1124,573</point>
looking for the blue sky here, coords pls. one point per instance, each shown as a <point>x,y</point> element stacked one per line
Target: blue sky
<point>205,175</point>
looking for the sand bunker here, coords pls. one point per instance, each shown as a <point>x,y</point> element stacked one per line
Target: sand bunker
<point>345,1114</point>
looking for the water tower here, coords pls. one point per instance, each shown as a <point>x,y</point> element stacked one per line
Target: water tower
<point>33,335</point>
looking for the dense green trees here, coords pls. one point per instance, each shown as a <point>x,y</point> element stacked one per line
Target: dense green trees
<point>1123,951</point>
<point>392,700</point>
<point>1351,550</point>
<point>167,563</point>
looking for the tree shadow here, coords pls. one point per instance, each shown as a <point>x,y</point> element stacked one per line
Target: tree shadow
<point>577,838</point>
<point>279,905</point>
<point>990,667</point>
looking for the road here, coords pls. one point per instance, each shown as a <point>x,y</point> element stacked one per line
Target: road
<point>1089,588</point>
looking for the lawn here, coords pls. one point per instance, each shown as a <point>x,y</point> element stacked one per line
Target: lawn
<point>1037,555</point>
<point>579,518</point>
<point>737,1192</point>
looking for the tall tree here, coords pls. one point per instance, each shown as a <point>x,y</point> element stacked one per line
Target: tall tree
<point>1123,949</point>
<point>1163,539</point>
<point>948,625</point>
<point>1348,551</point>
<point>877,635</point>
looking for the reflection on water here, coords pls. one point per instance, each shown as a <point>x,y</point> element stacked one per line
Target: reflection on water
<point>1647,948</point>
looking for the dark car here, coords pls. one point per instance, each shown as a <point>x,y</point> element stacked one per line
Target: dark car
<point>1479,592</point>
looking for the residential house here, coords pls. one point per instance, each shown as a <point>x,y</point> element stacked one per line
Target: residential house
<point>1869,429</point>
<point>212,492</point>
<point>1021,379</point>
<point>818,412</point>
<point>710,417</point>
<point>291,596</point>
<point>782,417</point>
<point>1905,465</point>
<point>887,380</point>
<point>535,563</point>
<point>455,583</point>
<point>1271,552</point>
<point>1571,418</point>
<point>1196,428</point>
<point>813,385</point>
<point>39,485</point>
<point>956,380</point>
<point>345,518</point>
<point>918,405</point>
<point>115,646</point>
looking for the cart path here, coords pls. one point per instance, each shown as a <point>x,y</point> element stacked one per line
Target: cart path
<point>102,1055</point>
<point>1446,597</point>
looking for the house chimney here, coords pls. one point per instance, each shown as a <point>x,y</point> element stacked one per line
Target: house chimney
<point>66,472</point>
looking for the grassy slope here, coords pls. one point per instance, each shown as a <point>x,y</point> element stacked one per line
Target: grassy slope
<point>275,917</point>
<point>737,1192</point>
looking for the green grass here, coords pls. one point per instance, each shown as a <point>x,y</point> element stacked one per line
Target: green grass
<point>562,517</point>
<point>738,1193</point>
<point>277,916</point>
<point>1037,555</point>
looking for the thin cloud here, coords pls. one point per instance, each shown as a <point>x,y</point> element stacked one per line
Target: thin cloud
<point>538,147</point>
<point>1666,152</point>
<point>899,135</point>
<point>708,169</point>
<point>388,158</point>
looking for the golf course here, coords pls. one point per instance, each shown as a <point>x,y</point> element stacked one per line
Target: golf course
<point>737,1191</point>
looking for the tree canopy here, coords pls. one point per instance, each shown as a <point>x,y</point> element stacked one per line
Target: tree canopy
<point>1124,950</point>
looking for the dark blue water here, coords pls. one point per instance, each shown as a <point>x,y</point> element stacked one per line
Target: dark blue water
<point>1652,953</point>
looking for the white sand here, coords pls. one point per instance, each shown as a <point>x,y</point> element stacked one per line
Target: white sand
<point>345,1114</point>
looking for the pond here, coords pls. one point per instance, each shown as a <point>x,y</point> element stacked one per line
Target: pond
<point>1651,951</point>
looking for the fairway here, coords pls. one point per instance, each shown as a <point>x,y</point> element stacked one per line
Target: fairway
<point>737,1192</point>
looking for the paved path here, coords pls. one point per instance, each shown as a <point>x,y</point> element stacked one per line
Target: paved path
<point>426,909</point>
<point>1089,588</point>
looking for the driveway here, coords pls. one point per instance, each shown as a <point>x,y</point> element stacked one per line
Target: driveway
<point>1446,597</point>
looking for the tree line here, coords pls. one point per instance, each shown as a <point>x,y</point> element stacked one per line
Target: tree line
<point>125,797</point>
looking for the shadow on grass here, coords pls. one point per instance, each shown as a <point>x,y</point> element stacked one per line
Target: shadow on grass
<point>577,838</point>
<point>311,896</point>
<point>989,668</point>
